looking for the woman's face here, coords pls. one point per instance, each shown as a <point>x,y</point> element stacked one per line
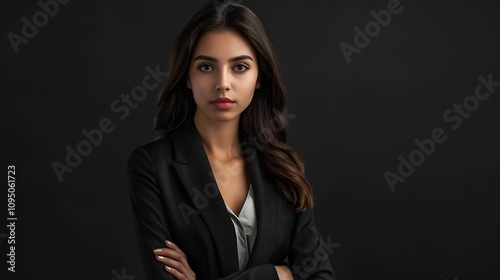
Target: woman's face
<point>222,75</point>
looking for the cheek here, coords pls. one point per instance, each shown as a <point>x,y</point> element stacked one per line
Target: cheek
<point>199,96</point>
<point>247,96</point>
<point>249,87</point>
<point>247,82</point>
<point>200,87</point>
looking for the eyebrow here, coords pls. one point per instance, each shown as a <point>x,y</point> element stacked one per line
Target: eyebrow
<point>209,58</point>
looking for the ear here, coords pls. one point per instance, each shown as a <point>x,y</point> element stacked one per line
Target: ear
<point>188,84</point>
<point>257,84</point>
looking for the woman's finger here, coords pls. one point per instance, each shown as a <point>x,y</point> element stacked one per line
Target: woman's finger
<point>172,246</point>
<point>182,258</point>
<point>167,252</point>
<point>174,272</point>
<point>173,264</point>
<point>174,260</point>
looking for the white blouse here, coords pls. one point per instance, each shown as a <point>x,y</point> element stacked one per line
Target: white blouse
<point>245,227</point>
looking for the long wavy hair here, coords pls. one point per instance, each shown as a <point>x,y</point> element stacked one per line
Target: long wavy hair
<point>263,122</point>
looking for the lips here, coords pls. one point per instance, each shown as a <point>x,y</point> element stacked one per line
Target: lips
<point>223,103</point>
<point>223,100</point>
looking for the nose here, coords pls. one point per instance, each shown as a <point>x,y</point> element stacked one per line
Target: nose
<point>222,82</point>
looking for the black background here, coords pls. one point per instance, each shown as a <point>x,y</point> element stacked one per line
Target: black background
<point>351,122</point>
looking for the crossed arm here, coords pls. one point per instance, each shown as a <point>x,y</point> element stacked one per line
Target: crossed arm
<point>305,247</point>
<point>176,263</point>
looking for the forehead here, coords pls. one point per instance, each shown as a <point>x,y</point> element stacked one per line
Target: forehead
<point>223,44</point>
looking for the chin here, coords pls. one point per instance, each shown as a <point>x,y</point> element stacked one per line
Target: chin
<point>223,119</point>
<point>224,116</point>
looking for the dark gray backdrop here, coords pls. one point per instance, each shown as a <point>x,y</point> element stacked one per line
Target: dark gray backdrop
<point>351,122</point>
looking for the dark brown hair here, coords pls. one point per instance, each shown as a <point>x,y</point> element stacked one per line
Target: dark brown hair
<point>263,122</point>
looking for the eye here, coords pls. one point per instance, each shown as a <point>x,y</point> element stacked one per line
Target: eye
<point>204,67</point>
<point>241,67</point>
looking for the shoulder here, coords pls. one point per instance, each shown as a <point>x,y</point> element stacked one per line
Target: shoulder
<point>152,152</point>
<point>156,146</point>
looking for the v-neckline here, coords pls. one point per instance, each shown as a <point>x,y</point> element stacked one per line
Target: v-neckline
<point>243,206</point>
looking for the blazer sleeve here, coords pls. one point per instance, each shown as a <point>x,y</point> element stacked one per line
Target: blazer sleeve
<point>151,224</point>
<point>149,214</point>
<point>308,254</point>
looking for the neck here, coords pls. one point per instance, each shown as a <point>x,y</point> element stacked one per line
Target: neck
<point>220,139</point>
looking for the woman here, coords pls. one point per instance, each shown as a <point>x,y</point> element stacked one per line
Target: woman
<point>219,194</point>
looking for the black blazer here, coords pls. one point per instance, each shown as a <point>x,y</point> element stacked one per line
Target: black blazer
<point>174,197</point>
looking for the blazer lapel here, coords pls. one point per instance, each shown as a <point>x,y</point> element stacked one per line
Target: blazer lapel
<point>267,203</point>
<point>194,170</point>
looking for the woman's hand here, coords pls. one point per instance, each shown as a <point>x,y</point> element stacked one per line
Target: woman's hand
<point>175,261</point>
<point>284,272</point>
